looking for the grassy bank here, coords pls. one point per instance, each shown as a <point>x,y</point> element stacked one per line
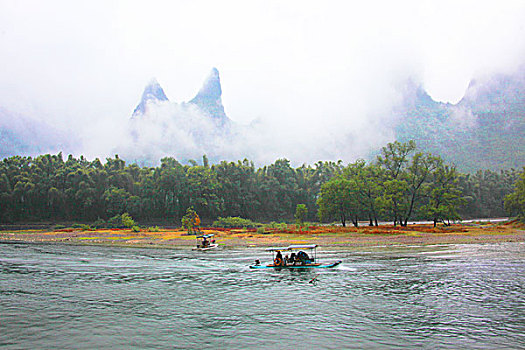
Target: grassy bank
<point>326,236</point>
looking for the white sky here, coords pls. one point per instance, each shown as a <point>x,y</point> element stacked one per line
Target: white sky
<point>294,62</point>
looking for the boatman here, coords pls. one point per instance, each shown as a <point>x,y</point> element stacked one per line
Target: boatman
<point>278,259</point>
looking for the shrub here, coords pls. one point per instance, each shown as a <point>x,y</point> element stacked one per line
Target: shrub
<point>114,222</point>
<point>83,227</point>
<point>99,223</point>
<point>231,222</point>
<point>153,229</point>
<point>119,221</point>
<point>127,220</point>
<point>261,229</point>
<point>135,229</point>
<point>273,224</point>
<point>58,227</point>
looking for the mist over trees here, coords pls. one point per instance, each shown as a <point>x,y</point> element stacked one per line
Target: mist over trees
<point>400,185</point>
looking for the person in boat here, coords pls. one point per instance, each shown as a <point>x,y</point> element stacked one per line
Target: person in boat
<point>278,261</point>
<point>292,259</point>
<point>205,242</point>
<point>303,258</point>
<point>286,259</point>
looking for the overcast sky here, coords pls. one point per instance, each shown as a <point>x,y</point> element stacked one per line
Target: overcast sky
<point>296,62</point>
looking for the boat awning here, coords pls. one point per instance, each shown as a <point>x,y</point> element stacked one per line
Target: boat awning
<point>302,246</point>
<point>292,247</point>
<point>206,236</point>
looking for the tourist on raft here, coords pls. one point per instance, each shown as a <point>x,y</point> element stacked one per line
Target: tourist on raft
<point>278,261</point>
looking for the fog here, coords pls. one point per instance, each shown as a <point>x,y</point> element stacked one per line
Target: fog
<point>303,80</point>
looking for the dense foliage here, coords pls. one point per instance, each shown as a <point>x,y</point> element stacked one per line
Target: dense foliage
<point>49,188</point>
<point>400,185</point>
<point>515,201</point>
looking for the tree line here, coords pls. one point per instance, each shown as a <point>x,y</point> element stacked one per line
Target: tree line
<point>403,184</point>
<point>399,185</point>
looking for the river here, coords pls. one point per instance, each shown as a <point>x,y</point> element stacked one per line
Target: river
<point>89,297</point>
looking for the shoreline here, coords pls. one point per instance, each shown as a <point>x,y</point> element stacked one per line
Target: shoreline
<point>348,238</point>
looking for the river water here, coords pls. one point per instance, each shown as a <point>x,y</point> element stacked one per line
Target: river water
<point>86,297</point>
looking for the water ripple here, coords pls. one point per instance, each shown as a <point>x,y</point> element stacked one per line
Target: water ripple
<point>447,296</point>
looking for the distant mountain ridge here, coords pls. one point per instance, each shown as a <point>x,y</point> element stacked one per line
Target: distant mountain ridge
<point>208,100</point>
<point>23,135</point>
<point>186,130</point>
<point>485,129</point>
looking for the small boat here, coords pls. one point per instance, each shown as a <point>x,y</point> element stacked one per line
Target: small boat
<point>205,242</point>
<point>298,258</point>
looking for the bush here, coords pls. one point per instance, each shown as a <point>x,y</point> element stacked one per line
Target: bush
<point>120,221</point>
<point>83,227</point>
<point>58,227</point>
<point>135,229</point>
<point>273,224</point>
<point>153,229</point>
<point>233,222</point>
<point>99,223</point>
<point>114,222</point>
<point>127,220</point>
<point>283,226</point>
<point>261,230</point>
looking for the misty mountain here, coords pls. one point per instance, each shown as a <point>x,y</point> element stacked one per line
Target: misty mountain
<point>23,135</point>
<point>209,100</point>
<point>187,130</point>
<point>484,130</point>
<point>153,94</point>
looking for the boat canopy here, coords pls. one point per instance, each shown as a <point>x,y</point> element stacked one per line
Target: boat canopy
<point>293,247</point>
<point>206,236</point>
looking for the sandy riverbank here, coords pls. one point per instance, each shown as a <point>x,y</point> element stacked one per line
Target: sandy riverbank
<point>325,236</point>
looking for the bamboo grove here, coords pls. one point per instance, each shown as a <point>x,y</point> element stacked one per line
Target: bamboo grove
<point>401,184</point>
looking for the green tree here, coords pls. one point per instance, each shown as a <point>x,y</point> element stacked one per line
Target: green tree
<point>515,201</point>
<point>237,188</point>
<point>367,182</point>
<point>127,220</point>
<point>394,160</point>
<point>336,201</point>
<point>190,220</point>
<point>444,196</point>
<point>116,201</point>
<point>422,167</point>
<point>406,178</point>
<point>203,191</point>
<point>300,213</point>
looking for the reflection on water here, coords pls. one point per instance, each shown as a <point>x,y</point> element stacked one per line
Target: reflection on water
<point>457,296</point>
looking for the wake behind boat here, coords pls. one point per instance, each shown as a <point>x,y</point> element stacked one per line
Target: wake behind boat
<point>295,258</point>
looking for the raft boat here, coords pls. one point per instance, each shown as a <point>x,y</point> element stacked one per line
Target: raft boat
<point>295,258</point>
<point>206,243</point>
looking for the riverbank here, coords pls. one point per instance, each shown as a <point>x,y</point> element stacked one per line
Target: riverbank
<point>325,236</point>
